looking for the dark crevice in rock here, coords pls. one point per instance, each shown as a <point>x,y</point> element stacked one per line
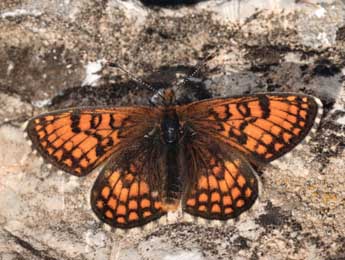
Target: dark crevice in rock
<point>325,68</point>
<point>42,254</point>
<point>329,142</point>
<point>170,3</point>
<point>113,94</point>
<point>263,57</point>
<point>273,218</point>
<point>340,34</point>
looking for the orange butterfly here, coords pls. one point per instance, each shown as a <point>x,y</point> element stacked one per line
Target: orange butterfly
<point>199,154</point>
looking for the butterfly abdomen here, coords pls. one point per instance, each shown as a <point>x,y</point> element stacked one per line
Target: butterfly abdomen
<point>173,184</point>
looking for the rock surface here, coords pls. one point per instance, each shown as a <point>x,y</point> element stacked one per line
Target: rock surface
<point>52,55</point>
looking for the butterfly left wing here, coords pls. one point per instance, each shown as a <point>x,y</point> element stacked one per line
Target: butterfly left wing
<point>225,184</point>
<point>77,140</point>
<point>263,127</point>
<point>128,191</point>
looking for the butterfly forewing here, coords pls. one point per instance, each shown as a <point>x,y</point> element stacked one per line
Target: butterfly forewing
<point>78,140</point>
<point>263,126</point>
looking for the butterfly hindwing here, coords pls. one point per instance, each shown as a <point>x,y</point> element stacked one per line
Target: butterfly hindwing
<point>225,184</point>
<point>125,194</point>
<point>263,127</point>
<point>78,140</point>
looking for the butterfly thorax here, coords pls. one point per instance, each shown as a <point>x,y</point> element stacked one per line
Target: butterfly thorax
<point>170,127</point>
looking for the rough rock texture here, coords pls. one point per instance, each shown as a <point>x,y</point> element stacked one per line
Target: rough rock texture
<point>50,54</point>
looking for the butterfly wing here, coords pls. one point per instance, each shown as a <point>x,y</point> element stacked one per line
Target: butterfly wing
<point>128,191</point>
<point>225,184</point>
<point>263,127</point>
<point>78,140</point>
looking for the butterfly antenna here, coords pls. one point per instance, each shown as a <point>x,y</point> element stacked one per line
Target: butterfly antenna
<point>197,68</point>
<point>141,82</point>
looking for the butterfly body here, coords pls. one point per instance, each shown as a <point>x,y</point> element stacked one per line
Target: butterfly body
<point>198,155</point>
<point>171,140</point>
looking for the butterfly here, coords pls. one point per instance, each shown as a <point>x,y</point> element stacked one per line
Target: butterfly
<point>157,158</point>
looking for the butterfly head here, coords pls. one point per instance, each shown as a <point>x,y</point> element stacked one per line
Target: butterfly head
<point>164,97</point>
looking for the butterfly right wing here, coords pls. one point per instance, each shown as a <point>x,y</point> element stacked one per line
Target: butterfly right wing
<point>77,140</point>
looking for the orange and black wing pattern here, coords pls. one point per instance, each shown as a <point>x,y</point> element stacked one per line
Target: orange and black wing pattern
<point>225,184</point>
<point>219,139</point>
<point>128,193</point>
<point>78,140</point>
<point>262,127</point>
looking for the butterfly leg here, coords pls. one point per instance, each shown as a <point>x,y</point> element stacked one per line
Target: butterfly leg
<point>153,132</point>
<point>186,132</point>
